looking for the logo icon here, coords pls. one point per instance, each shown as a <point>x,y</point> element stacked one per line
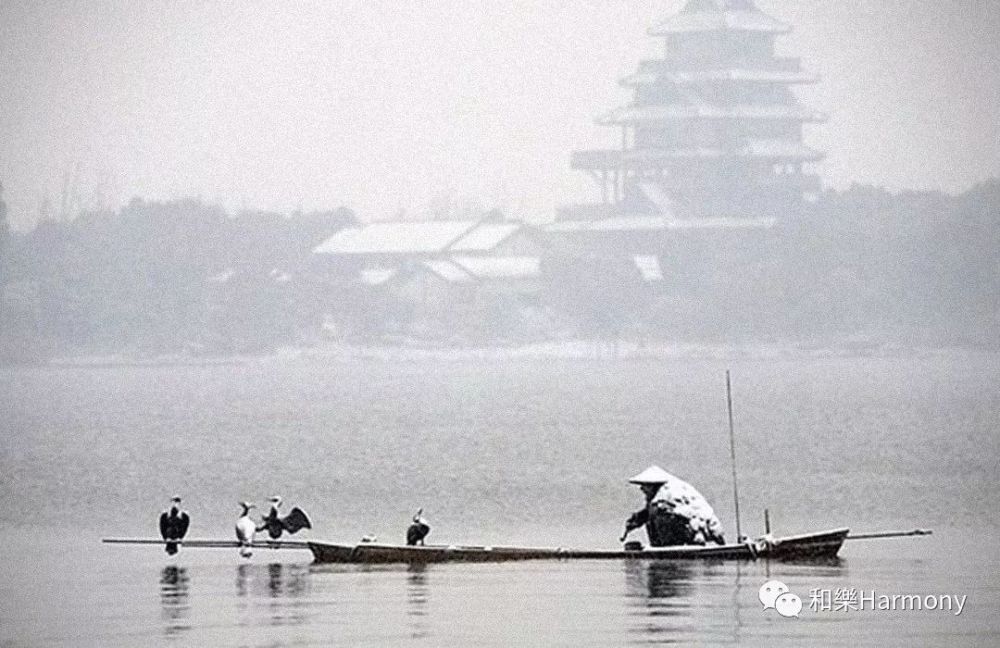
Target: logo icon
<point>774,595</point>
<point>769,593</point>
<point>788,605</point>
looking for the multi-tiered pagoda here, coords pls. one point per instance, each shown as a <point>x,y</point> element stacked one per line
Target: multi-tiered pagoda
<point>714,130</point>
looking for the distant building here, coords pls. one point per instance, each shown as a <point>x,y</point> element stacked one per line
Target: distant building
<point>390,242</point>
<point>714,131</point>
<point>434,278</point>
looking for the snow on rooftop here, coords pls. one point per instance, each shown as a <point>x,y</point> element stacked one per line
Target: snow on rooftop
<point>512,267</point>
<point>651,223</point>
<point>485,237</point>
<point>704,21</point>
<point>649,268</point>
<point>448,271</point>
<point>635,113</point>
<point>648,77</point>
<point>758,148</point>
<point>397,237</point>
<point>377,276</point>
<point>418,237</point>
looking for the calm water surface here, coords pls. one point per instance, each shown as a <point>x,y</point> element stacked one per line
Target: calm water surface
<point>527,451</point>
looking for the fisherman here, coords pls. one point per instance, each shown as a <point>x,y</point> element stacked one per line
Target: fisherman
<point>174,524</point>
<point>675,513</point>
<point>418,530</point>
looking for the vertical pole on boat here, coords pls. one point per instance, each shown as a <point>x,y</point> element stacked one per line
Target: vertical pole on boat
<point>767,521</point>
<point>732,454</point>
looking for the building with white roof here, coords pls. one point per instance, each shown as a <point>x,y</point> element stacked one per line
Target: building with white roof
<point>397,240</point>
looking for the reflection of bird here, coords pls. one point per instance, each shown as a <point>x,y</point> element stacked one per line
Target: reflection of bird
<point>418,530</point>
<point>245,530</point>
<point>174,524</point>
<point>295,521</point>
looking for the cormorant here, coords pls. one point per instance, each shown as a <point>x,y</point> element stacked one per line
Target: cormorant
<point>173,525</point>
<point>295,521</point>
<point>418,530</point>
<point>245,530</point>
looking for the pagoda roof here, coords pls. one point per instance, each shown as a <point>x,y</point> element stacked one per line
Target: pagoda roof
<point>651,77</point>
<point>753,148</point>
<point>720,16</point>
<point>633,114</point>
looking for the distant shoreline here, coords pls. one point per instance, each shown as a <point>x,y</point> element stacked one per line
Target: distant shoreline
<point>565,350</point>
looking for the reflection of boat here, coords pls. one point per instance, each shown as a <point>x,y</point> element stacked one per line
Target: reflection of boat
<point>807,546</point>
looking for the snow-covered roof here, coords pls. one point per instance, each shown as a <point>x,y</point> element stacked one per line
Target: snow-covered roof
<point>645,77</point>
<point>773,148</point>
<point>377,276</point>
<point>635,113</point>
<point>650,223</point>
<point>758,148</point>
<point>418,237</point>
<point>649,268</point>
<point>485,237</point>
<point>449,271</point>
<point>510,267</point>
<point>396,237</point>
<point>706,21</point>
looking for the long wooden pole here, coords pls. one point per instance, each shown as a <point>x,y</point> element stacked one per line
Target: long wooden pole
<point>889,534</point>
<point>732,454</point>
<point>211,544</point>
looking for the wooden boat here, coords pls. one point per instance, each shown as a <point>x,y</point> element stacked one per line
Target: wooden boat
<point>809,546</point>
<point>805,547</point>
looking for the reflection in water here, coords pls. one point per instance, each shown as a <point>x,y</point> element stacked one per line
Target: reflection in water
<point>416,601</point>
<point>174,583</point>
<point>737,599</point>
<point>242,579</point>
<point>283,587</point>
<point>660,598</point>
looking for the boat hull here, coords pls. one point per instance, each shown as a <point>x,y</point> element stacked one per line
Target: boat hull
<point>809,546</point>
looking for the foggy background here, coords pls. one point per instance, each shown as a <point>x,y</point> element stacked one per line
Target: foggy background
<point>382,106</point>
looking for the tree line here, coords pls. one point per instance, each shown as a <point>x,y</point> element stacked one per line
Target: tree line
<point>861,266</point>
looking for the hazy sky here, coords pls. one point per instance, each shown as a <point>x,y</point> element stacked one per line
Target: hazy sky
<point>389,104</point>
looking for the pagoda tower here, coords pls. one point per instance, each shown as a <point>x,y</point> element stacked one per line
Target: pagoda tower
<point>714,130</point>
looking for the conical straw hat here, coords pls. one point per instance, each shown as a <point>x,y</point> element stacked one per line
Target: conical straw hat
<point>653,475</point>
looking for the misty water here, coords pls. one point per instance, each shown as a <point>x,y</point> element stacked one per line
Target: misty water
<point>497,451</point>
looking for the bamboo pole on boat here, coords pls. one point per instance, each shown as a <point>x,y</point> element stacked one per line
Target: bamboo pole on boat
<point>210,544</point>
<point>732,454</point>
<point>889,534</point>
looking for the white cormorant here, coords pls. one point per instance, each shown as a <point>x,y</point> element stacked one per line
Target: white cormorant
<point>245,530</point>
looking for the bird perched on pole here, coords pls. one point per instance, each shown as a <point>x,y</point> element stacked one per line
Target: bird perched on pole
<point>245,530</point>
<point>418,530</point>
<point>274,524</point>
<point>174,524</point>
